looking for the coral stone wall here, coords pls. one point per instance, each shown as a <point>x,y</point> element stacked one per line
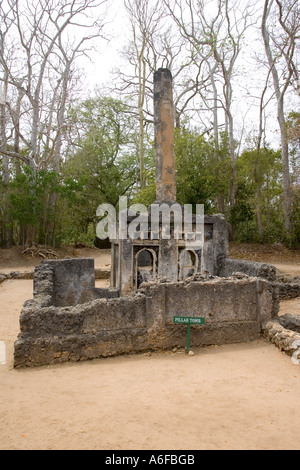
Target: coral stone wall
<point>234,310</point>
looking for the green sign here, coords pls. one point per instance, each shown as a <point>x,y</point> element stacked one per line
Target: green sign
<point>189,321</point>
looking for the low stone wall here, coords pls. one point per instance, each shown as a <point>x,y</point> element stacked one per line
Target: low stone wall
<point>234,310</point>
<point>98,274</point>
<point>16,275</point>
<point>285,290</point>
<point>231,266</point>
<point>285,339</point>
<point>290,322</point>
<point>288,290</point>
<point>102,273</point>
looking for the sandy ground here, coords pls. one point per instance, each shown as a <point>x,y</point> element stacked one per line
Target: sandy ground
<point>239,396</point>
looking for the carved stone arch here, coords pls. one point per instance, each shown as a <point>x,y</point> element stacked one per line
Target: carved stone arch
<point>188,264</point>
<point>145,266</point>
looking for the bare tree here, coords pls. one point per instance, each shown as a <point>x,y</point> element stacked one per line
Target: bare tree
<point>280,45</point>
<point>39,31</point>
<point>215,30</point>
<point>155,43</point>
<point>47,37</point>
<point>144,19</point>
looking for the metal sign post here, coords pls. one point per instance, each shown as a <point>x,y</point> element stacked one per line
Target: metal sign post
<point>189,321</point>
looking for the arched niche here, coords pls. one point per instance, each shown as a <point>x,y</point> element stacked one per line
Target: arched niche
<point>188,264</point>
<point>145,262</point>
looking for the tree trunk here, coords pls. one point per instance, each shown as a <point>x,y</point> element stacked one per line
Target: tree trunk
<point>286,180</point>
<point>232,157</point>
<point>287,203</point>
<point>8,229</point>
<point>258,213</point>
<point>30,236</point>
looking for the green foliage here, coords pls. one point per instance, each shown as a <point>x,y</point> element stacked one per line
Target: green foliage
<point>61,207</point>
<point>103,167</point>
<point>241,215</point>
<point>72,216</point>
<point>202,172</point>
<point>260,191</point>
<point>296,217</point>
<point>293,126</point>
<point>106,153</point>
<point>192,180</point>
<point>30,194</point>
<point>147,195</point>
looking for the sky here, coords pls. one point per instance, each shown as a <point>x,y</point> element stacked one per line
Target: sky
<point>107,55</point>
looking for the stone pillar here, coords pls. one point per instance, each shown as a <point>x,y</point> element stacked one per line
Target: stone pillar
<point>164,137</point>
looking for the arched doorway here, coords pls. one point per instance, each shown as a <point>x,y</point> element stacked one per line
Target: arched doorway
<point>145,266</point>
<point>188,264</point>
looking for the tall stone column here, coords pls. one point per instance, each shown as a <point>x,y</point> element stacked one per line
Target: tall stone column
<point>165,168</point>
<point>164,137</point>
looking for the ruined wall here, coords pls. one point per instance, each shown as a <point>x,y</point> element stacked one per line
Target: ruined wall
<point>67,282</point>
<point>283,288</point>
<point>283,334</point>
<point>230,266</point>
<point>234,310</point>
<point>167,254</point>
<point>288,290</point>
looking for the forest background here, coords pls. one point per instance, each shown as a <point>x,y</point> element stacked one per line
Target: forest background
<point>76,133</point>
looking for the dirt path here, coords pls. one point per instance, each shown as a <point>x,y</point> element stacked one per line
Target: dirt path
<point>293,269</point>
<point>13,260</point>
<point>240,396</point>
